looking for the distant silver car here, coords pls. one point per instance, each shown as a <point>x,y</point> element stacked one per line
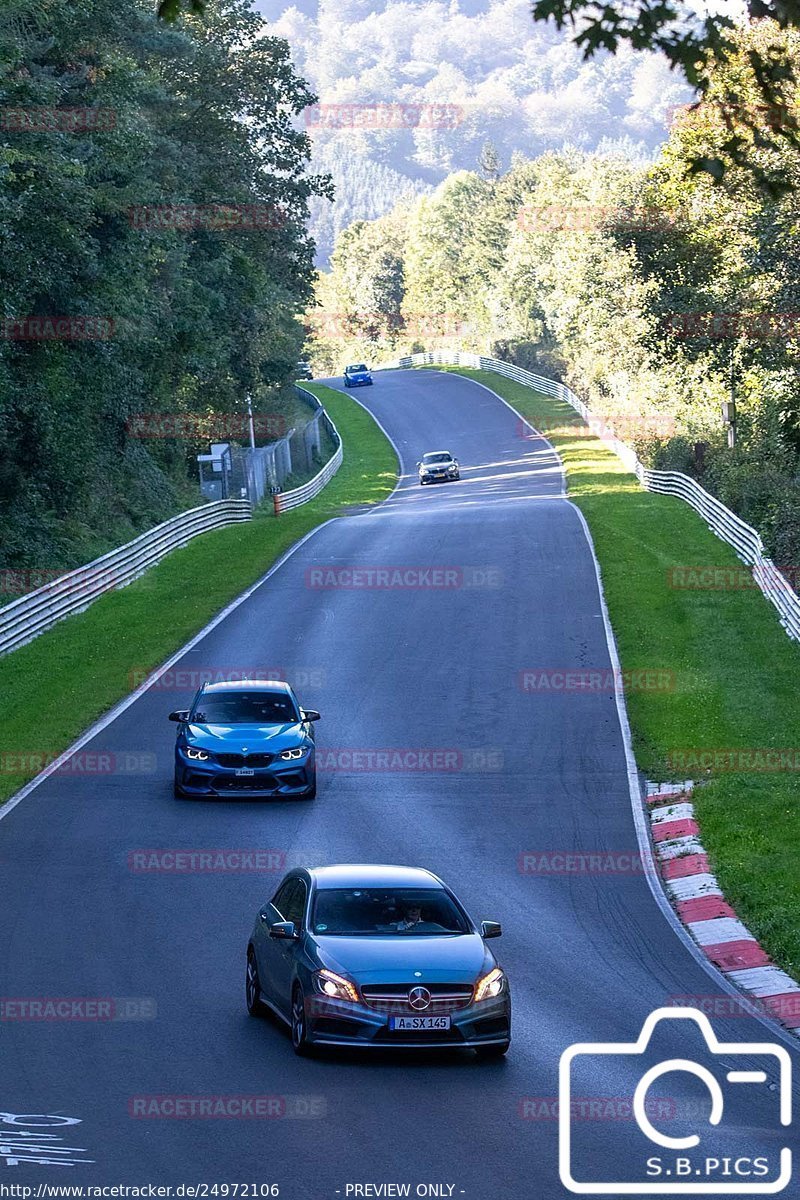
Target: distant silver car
<point>438,466</point>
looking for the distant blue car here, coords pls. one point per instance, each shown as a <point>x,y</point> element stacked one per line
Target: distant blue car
<point>357,375</point>
<point>381,956</point>
<point>248,738</point>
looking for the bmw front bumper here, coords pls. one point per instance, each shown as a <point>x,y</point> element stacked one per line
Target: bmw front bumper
<point>197,778</point>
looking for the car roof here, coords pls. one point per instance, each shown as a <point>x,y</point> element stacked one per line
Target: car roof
<point>342,875</point>
<point>248,685</point>
<point>429,452</point>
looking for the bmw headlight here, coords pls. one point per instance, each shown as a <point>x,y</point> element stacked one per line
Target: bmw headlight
<point>490,985</point>
<point>335,986</point>
<point>295,753</point>
<point>195,752</point>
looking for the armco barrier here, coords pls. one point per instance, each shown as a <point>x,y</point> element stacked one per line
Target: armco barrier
<point>307,491</point>
<point>745,540</point>
<point>24,619</point>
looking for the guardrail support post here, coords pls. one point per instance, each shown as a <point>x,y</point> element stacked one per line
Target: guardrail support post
<point>276,504</point>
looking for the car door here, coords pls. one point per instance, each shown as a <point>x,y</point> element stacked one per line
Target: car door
<point>287,950</point>
<point>267,948</point>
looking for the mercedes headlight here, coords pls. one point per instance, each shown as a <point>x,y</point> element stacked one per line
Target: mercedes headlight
<point>490,985</point>
<point>335,986</point>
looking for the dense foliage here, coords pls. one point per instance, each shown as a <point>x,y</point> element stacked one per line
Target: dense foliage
<point>410,92</point>
<point>652,291</point>
<point>106,114</point>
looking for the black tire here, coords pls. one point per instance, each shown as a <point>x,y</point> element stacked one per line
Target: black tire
<point>300,1043</point>
<point>252,986</point>
<point>497,1050</point>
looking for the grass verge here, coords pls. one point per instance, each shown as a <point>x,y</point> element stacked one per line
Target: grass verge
<point>734,669</point>
<point>60,683</point>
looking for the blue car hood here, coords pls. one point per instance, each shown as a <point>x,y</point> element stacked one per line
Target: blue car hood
<point>458,958</point>
<point>255,737</point>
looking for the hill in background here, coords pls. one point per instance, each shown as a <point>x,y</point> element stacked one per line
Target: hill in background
<point>501,78</point>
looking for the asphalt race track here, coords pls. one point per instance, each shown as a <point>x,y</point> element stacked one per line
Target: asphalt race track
<point>415,669</point>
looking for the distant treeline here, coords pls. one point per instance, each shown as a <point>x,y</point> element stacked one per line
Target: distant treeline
<point>656,293</point>
<point>153,256</point>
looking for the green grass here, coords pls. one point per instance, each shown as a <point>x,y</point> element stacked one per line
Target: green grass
<point>59,684</point>
<point>735,670</point>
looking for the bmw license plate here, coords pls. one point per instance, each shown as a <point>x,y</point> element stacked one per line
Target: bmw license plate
<point>245,771</point>
<point>406,1024</point>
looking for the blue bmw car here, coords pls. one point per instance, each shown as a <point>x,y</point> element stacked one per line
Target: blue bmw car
<point>377,956</point>
<point>245,739</point>
<point>357,375</point>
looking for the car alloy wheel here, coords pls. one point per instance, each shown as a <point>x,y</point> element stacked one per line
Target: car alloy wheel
<point>299,1032</point>
<point>253,986</point>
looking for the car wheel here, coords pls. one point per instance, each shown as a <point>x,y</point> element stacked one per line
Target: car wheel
<point>495,1051</point>
<point>300,1042</point>
<point>252,986</point>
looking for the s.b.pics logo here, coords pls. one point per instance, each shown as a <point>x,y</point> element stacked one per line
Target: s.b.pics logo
<point>726,1113</point>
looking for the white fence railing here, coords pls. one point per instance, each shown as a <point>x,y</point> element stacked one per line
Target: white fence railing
<point>24,619</point>
<point>745,540</point>
<point>307,491</point>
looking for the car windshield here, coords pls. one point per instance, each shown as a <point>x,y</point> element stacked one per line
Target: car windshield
<point>357,367</point>
<point>245,708</point>
<point>437,458</point>
<point>382,912</point>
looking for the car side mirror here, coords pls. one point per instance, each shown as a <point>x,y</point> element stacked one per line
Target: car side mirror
<point>311,714</point>
<point>284,930</point>
<point>181,714</point>
<point>419,464</point>
<point>490,929</point>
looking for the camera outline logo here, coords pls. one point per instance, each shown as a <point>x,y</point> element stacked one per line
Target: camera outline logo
<point>715,1048</point>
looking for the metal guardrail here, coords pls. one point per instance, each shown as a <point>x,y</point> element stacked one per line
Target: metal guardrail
<point>24,619</point>
<point>307,491</point>
<point>745,540</point>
